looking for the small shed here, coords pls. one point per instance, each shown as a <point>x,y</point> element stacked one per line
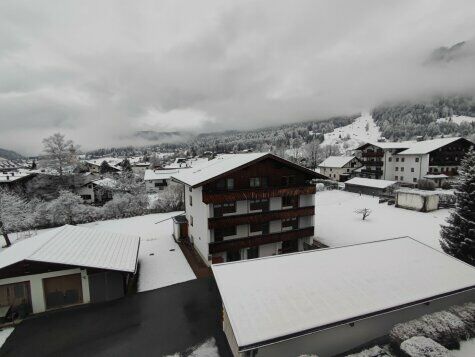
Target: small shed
<point>369,186</point>
<point>418,200</point>
<point>359,293</point>
<point>66,266</point>
<point>438,179</point>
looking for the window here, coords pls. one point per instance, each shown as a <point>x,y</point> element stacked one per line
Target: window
<point>402,168</point>
<point>402,178</point>
<point>224,208</point>
<point>190,189</point>
<point>255,182</point>
<point>288,180</point>
<point>417,159</point>
<point>290,222</point>
<point>414,180</point>
<point>220,184</point>
<point>396,169</point>
<point>412,169</point>
<point>395,177</point>
<point>233,256</point>
<point>253,253</point>
<point>256,205</point>
<point>402,159</point>
<point>290,201</point>
<point>390,159</point>
<point>224,232</point>
<point>191,221</point>
<point>259,227</point>
<point>191,200</point>
<point>397,159</point>
<point>230,183</point>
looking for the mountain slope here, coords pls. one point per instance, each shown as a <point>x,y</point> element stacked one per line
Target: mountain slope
<point>9,154</point>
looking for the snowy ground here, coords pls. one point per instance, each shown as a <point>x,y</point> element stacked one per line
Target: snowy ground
<point>162,263</point>
<point>356,131</point>
<point>457,119</point>
<point>467,348</point>
<point>4,333</point>
<point>206,349</point>
<point>336,223</point>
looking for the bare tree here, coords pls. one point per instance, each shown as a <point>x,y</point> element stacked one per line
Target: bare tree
<point>60,152</point>
<point>312,153</point>
<point>365,212</point>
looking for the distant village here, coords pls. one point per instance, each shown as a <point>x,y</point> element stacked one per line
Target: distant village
<point>237,242</point>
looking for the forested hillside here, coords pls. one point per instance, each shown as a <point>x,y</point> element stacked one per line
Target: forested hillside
<point>407,120</point>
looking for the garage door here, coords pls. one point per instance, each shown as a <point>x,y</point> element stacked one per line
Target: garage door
<point>16,295</point>
<point>63,290</point>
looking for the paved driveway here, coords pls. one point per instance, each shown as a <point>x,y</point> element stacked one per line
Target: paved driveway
<point>154,323</point>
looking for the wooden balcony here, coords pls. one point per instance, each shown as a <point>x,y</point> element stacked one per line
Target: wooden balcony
<point>372,154</point>
<point>372,163</point>
<point>259,217</point>
<point>254,241</point>
<point>256,193</point>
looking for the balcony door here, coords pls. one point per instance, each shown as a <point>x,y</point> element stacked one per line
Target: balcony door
<point>290,246</point>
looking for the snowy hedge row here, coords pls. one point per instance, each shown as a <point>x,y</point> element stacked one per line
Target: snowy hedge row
<point>443,327</point>
<point>420,346</point>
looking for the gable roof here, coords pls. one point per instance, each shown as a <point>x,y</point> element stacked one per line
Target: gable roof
<point>76,246</point>
<point>425,147</point>
<point>346,288</point>
<point>336,161</point>
<point>227,163</point>
<point>159,174</point>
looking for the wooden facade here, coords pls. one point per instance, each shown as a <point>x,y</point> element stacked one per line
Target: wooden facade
<point>259,217</point>
<point>254,241</point>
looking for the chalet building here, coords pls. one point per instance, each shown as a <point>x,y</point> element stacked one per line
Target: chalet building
<point>339,168</point>
<point>8,166</point>
<point>246,206</point>
<point>158,180</point>
<point>66,266</point>
<point>408,162</point>
<point>327,302</point>
<point>97,191</point>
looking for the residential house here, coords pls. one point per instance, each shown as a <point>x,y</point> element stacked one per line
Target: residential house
<point>97,190</point>
<point>243,206</point>
<point>94,165</point>
<point>158,180</point>
<point>66,266</point>
<point>339,168</point>
<point>408,162</point>
<point>327,302</point>
<point>15,179</point>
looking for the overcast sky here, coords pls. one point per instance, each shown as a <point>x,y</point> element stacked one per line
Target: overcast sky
<point>98,71</point>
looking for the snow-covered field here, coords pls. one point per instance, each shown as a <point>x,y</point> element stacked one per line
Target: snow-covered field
<point>356,132</point>
<point>457,119</point>
<point>336,223</point>
<point>467,348</point>
<point>4,334</point>
<point>162,263</point>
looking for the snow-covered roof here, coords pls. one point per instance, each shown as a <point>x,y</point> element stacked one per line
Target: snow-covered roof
<point>159,174</point>
<point>105,182</point>
<point>419,192</point>
<point>315,289</point>
<point>436,176</point>
<point>389,145</point>
<point>336,161</point>
<point>77,246</point>
<point>424,147</point>
<point>367,182</point>
<point>112,161</point>
<point>12,176</point>
<point>218,166</point>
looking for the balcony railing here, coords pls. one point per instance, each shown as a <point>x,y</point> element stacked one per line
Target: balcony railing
<point>372,154</point>
<point>372,163</point>
<point>256,193</point>
<point>259,217</point>
<point>254,241</point>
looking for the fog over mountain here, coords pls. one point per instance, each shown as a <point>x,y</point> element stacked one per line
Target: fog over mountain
<point>101,72</point>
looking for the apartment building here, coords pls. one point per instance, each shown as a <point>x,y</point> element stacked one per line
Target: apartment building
<point>339,168</point>
<point>410,161</point>
<point>247,206</point>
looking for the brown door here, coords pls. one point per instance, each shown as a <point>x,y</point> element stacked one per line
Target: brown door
<point>63,290</point>
<point>183,230</point>
<point>15,295</point>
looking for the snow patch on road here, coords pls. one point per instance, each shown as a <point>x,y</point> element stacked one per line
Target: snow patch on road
<point>206,349</point>
<point>4,334</point>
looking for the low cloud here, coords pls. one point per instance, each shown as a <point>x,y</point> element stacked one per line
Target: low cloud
<point>101,71</point>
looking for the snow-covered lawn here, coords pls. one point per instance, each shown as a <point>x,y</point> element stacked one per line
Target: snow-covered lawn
<point>467,348</point>
<point>162,263</point>
<point>4,334</point>
<point>336,223</point>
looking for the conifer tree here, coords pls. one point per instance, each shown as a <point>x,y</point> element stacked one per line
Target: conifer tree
<point>458,236</point>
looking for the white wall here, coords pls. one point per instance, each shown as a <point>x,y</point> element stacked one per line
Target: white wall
<point>404,168</point>
<point>417,202</point>
<point>86,190</point>
<point>342,338</point>
<point>200,212</point>
<point>36,286</point>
